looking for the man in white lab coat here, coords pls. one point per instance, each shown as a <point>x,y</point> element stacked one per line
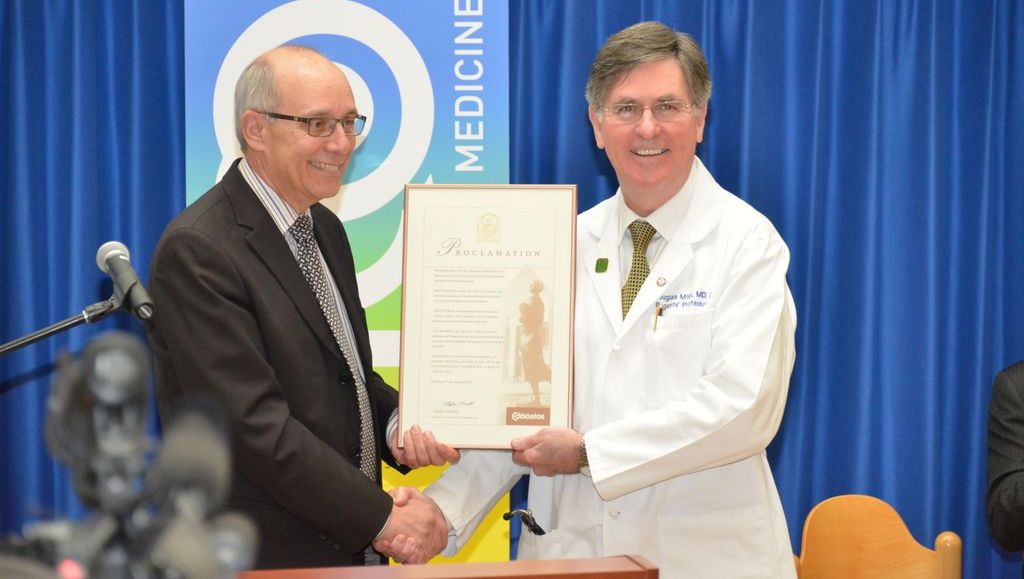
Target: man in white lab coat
<point>681,371</point>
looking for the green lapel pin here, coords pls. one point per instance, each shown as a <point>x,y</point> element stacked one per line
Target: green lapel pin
<point>602,265</point>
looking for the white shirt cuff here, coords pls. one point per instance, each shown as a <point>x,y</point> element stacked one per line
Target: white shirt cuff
<point>392,425</point>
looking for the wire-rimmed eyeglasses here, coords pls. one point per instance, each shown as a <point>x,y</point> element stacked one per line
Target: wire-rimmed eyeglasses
<point>663,111</point>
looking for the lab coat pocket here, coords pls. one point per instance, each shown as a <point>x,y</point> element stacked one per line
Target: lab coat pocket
<point>706,545</point>
<point>678,344</point>
<point>671,322</point>
<point>547,546</point>
<point>557,544</point>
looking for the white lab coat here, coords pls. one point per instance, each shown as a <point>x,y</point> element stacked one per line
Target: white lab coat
<point>676,417</point>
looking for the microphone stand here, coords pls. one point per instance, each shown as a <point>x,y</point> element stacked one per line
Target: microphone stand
<point>89,315</point>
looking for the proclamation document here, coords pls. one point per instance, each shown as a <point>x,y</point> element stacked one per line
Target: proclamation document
<point>487,311</point>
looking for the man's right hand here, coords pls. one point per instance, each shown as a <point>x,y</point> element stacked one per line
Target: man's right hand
<point>416,531</point>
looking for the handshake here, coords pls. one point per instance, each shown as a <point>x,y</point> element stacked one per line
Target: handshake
<point>416,530</point>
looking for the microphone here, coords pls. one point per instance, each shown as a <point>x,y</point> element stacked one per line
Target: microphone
<point>191,479</point>
<point>182,550</point>
<point>188,548</point>
<point>235,541</point>
<point>113,259</point>
<point>193,470</point>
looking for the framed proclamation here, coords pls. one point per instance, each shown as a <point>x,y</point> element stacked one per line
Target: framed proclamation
<point>487,311</point>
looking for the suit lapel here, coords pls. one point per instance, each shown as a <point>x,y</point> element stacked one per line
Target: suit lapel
<point>337,253</point>
<point>607,284</point>
<point>701,216</point>
<point>269,244</point>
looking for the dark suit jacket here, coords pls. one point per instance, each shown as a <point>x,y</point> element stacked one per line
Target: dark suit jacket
<point>237,319</point>
<point>1006,458</point>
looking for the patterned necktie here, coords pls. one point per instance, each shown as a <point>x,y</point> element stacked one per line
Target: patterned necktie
<point>309,260</point>
<point>642,233</point>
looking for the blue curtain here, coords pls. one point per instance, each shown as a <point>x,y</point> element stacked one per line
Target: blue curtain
<point>883,139</point>
<point>91,150</point>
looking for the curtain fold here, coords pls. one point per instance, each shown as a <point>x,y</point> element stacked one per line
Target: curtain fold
<point>882,139</point>
<point>92,113</point>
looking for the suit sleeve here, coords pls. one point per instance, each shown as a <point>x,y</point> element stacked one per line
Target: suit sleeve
<point>211,338</point>
<point>385,398</point>
<point>736,409</point>
<point>1005,500</point>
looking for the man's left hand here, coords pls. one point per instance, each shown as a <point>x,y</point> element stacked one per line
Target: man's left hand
<point>549,452</point>
<point>421,449</point>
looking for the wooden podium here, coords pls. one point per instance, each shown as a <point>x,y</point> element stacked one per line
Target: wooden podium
<point>621,567</point>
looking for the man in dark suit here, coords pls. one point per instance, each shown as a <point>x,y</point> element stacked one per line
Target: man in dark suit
<point>1006,458</point>
<point>260,308</point>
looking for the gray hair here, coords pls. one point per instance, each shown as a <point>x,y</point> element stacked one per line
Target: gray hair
<point>257,86</point>
<point>642,43</point>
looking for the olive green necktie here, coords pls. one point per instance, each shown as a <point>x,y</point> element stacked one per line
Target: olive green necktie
<point>642,233</point>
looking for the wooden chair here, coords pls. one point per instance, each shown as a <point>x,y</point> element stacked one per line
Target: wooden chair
<point>861,537</point>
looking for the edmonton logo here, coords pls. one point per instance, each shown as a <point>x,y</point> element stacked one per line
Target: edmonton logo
<point>528,416</point>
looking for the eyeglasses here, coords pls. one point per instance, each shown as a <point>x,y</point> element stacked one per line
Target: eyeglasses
<point>324,126</point>
<point>664,111</point>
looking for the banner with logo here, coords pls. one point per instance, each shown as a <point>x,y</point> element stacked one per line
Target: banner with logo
<point>432,78</point>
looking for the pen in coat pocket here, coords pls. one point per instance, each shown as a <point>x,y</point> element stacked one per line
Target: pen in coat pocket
<point>657,314</point>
